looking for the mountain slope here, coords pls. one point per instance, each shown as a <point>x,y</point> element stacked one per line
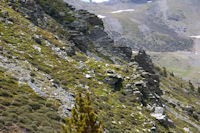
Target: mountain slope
<point>159,25</point>
<point>82,28</point>
<point>41,70</point>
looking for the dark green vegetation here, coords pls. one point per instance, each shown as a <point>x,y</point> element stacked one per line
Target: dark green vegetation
<point>57,9</point>
<point>22,110</point>
<point>83,119</point>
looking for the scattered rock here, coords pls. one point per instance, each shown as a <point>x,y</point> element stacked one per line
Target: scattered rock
<point>137,93</point>
<point>153,129</point>
<point>62,14</point>
<point>171,123</point>
<point>128,89</point>
<point>37,39</point>
<point>159,114</point>
<point>132,64</point>
<point>187,130</point>
<point>5,13</point>
<point>114,122</point>
<point>37,48</point>
<point>140,84</point>
<point>88,76</point>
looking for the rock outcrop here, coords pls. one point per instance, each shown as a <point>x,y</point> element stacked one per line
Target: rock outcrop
<point>149,89</point>
<point>114,80</point>
<point>144,61</point>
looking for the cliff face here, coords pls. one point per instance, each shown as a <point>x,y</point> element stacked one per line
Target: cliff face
<point>45,59</point>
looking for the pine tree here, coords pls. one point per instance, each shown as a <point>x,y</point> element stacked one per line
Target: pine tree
<point>199,89</point>
<point>83,119</point>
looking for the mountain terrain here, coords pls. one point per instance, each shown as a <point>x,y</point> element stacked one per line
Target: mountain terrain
<point>170,26</point>
<point>184,64</point>
<point>158,25</point>
<point>50,51</point>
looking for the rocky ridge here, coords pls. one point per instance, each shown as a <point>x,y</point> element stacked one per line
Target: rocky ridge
<point>83,29</point>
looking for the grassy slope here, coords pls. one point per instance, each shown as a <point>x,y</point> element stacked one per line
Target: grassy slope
<point>22,110</point>
<point>183,64</point>
<point>65,72</point>
<point>114,108</point>
<point>184,96</point>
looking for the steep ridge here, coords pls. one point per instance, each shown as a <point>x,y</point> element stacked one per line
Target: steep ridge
<point>42,68</point>
<point>84,29</point>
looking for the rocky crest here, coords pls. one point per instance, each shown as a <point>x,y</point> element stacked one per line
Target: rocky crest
<point>145,61</point>
<point>85,30</point>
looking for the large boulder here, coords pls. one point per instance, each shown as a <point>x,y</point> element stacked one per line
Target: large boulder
<point>159,114</point>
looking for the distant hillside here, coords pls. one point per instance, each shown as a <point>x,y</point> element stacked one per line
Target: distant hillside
<point>158,25</point>
<point>184,64</point>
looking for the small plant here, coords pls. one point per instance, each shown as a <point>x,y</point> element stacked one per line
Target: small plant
<point>172,74</point>
<point>191,86</point>
<point>83,119</point>
<point>164,72</point>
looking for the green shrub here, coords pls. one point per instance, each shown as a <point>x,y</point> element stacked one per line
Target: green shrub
<point>45,123</point>
<point>35,106</point>
<point>45,129</point>
<point>191,86</point>
<point>25,108</point>
<point>54,8</point>
<point>5,93</point>
<point>17,103</point>
<point>14,117</point>
<point>5,103</point>
<point>1,126</point>
<point>5,113</point>
<point>53,116</point>
<point>24,120</point>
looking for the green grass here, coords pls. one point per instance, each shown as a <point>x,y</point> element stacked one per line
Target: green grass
<point>21,107</point>
<point>183,64</point>
<point>54,8</point>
